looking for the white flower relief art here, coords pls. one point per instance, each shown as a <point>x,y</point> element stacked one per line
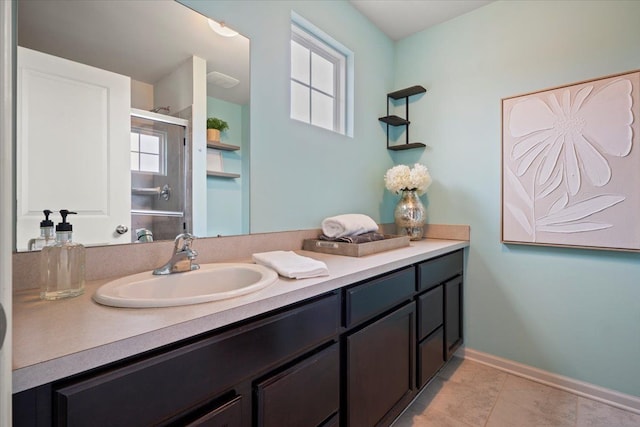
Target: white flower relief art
<point>570,169</point>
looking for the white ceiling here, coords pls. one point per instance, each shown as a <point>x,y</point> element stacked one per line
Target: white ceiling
<point>143,39</point>
<point>146,40</point>
<point>401,18</point>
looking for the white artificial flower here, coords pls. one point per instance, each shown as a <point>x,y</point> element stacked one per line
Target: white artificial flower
<point>402,177</point>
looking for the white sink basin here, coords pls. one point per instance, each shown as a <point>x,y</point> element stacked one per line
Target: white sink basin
<point>210,283</point>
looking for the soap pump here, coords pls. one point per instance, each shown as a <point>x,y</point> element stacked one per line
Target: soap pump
<point>63,264</point>
<point>47,236</point>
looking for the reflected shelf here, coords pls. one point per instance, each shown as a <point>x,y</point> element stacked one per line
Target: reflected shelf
<point>222,146</point>
<point>223,174</point>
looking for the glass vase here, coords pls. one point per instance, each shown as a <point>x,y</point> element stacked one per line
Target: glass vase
<point>410,215</point>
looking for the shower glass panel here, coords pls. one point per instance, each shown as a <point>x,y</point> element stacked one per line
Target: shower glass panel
<point>158,177</point>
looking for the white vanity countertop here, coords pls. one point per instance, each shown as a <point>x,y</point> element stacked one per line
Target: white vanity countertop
<point>55,339</point>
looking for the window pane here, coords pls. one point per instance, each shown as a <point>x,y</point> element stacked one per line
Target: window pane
<point>135,162</point>
<point>322,110</point>
<point>135,141</point>
<point>149,144</point>
<point>150,163</point>
<point>299,102</point>
<point>322,74</point>
<point>299,62</point>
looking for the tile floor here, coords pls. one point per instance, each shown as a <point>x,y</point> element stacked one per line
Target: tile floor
<point>469,394</point>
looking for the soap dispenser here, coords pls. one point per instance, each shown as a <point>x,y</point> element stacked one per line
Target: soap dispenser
<point>47,236</point>
<point>63,264</point>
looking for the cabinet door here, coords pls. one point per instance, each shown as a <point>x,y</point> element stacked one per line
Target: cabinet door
<point>380,368</point>
<point>306,394</point>
<point>453,315</point>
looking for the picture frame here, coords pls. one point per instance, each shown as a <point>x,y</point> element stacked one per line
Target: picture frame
<point>571,165</point>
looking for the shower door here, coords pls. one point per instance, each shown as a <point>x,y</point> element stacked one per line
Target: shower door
<point>158,176</point>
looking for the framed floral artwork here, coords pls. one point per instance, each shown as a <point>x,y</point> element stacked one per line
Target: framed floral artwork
<point>571,165</point>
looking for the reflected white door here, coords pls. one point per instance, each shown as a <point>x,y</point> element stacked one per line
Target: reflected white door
<point>73,129</point>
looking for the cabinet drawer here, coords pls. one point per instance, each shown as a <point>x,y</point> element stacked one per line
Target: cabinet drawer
<point>430,311</point>
<point>227,415</point>
<point>305,395</point>
<point>430,356</point>
<point>371,298</point>
<point>154,389</point>
<point>436,271</point>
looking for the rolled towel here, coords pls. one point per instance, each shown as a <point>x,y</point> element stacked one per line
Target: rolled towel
<point>360,238</point>
<point>348,225</point>
<point>290,264</point>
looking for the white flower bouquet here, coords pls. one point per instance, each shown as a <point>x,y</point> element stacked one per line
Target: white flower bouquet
<point>402,177</point>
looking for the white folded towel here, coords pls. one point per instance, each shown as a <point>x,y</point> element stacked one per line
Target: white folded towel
<point>290,264</point>
<point>348,225</point>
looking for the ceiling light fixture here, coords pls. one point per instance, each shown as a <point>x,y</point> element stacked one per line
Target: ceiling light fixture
<point>222,29</point>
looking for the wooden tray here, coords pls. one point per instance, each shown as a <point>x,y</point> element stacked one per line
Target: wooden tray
<point>355,249</point>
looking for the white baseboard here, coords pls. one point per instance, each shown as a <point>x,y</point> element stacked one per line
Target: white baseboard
<point>610,397</point>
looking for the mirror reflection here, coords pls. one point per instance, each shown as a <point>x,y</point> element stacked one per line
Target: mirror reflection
<point>112,107</point>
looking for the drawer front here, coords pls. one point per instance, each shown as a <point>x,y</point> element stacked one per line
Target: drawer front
<point>430,311</point>
<point>148,391</point>
<point>430,356</point>
<point>438,270</point>
<point>227,415</point>
<point>374,297</point>
<point>305,395</point>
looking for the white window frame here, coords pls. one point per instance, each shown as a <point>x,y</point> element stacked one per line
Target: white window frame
<point>162,149</point>
<point>310,37</point>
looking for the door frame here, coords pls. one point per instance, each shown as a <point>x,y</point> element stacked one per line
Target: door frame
<point>7,199</point>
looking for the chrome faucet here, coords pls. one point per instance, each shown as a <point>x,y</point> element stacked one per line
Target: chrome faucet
<point>182,258</point>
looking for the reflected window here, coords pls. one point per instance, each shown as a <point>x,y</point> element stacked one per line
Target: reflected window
<point>318,78</point>
<point>147,151</point>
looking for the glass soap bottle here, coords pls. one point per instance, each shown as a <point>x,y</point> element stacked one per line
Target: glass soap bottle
<point>63,264</point>
<point>47,235</point>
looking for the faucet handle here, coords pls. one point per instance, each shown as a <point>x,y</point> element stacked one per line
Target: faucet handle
<point>187,240</point>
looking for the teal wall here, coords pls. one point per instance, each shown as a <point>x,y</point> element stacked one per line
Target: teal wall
<point>571,312</point>
<point>301,174</point>
<point>225,201</point>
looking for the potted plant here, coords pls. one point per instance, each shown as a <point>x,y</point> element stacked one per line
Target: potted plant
<point>214,127</point>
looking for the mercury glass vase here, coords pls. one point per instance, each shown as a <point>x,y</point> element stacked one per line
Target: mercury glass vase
<point>410,215</point>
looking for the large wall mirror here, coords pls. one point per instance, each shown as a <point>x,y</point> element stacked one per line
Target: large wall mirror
<point>152,45</point>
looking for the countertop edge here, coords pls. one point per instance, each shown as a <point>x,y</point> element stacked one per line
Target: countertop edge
<point>33,375</point>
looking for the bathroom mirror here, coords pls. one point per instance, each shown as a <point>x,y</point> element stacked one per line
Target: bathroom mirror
<point>147,41</point>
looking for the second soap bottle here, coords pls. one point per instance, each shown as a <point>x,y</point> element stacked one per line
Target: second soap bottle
<point>63,264</point>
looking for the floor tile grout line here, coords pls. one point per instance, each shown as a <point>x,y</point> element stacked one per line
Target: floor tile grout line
<point>504,381</point>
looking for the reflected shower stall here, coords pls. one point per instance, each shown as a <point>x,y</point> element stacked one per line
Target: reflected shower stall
<point>159,171</point>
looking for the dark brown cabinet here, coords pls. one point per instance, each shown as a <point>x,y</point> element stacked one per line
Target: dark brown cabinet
<point>380,349</point>
<point>439,313</point>
<point>354,357</point>
<point>380,369</point>
<point>453,315</point>
<point>307,394</point>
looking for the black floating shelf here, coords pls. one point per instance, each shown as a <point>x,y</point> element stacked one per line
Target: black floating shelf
<point>404,93</point>
<point>394,120</point>
<point>406,146</point>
